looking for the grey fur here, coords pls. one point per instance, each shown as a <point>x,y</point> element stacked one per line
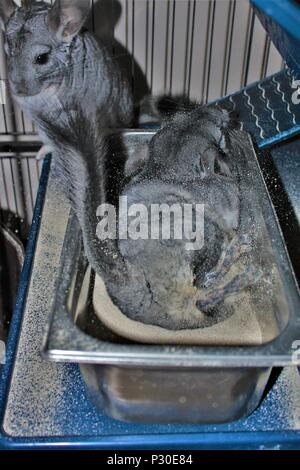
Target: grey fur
<point>79,68</point>
<point>158,281</point>
<point>7,7</point>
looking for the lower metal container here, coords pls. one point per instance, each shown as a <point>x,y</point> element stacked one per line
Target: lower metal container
<point>182,395</point>
<point>165,383</point>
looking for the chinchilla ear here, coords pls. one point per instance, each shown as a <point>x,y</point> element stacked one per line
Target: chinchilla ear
<point>67,17</point>
<point>7,7</point>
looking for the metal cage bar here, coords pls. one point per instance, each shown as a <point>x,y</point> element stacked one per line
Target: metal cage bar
<point>204,49</point>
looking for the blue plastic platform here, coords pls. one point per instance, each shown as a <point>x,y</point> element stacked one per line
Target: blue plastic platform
<point>281,19</point>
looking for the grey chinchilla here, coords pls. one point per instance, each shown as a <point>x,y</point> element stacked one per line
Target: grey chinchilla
<point>52,59</point>
<point>194,158</point>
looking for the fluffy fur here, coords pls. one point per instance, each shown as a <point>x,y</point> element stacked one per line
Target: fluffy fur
<point>194,158</point>
<point>52,59</point>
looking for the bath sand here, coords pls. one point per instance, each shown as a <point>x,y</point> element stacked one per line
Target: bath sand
<point>242,328</point>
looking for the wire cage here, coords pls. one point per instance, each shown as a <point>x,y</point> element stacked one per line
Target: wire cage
<point>204,49</point>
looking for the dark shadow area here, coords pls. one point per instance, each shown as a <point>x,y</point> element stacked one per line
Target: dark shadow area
<point>11,262</point>
<point>281,169</point>
<point>104,18</point>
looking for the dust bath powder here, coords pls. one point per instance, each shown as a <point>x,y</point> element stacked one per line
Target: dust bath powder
<point>241,328</point>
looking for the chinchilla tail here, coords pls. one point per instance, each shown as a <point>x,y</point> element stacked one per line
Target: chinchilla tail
<point>155,109</point>
<point>78,145</point>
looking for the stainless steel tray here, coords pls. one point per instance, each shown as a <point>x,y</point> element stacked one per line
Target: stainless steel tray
<point>150,383</point>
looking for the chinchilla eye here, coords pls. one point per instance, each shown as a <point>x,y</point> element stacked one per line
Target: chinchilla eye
<point>42,59</point>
